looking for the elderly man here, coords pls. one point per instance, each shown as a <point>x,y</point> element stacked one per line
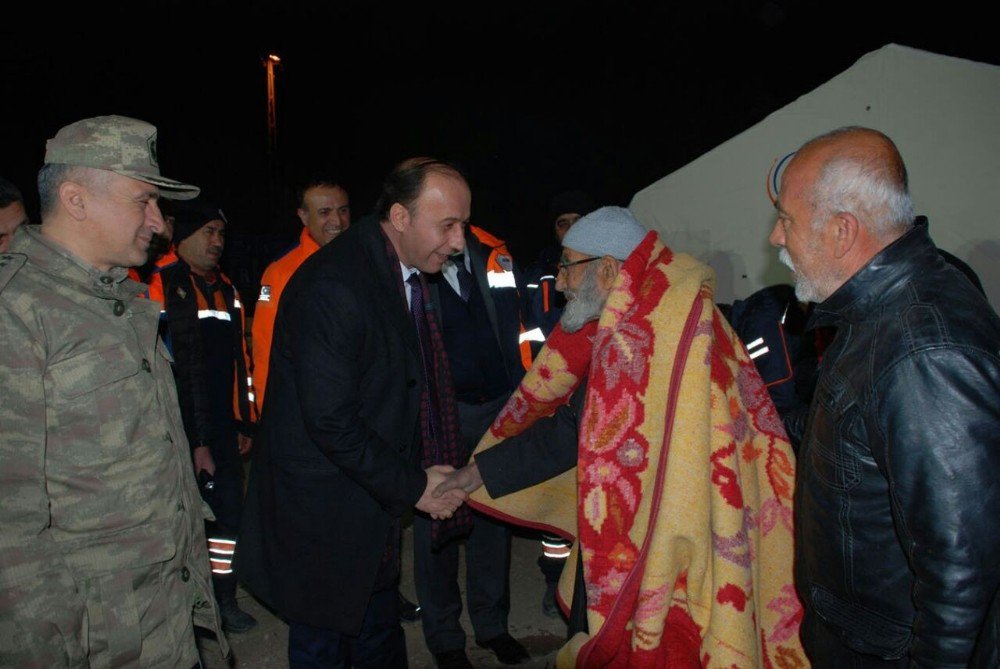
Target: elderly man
<point>11,212</point>
<point>897,499</point>
<point>102,554</point>
<point>683,475</point>
<point>360,420</point>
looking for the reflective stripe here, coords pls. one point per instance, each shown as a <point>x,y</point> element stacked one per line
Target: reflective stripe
<point>501,280</point>
<point>531,335</point>
<point>236,303</point>
<point>547,277</point>
<point>214,313</point>
<point>221,551</point>
<point>754,351</point>
<point>532,285</point>
<point>553,547</point>
<point>251,397</point>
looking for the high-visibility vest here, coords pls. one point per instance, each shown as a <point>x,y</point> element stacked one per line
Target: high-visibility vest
<point>500,276</point>
<point>244,394</point>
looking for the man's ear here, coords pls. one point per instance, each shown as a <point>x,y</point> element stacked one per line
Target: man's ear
<point>303,215</point>
<point>846,230</point>
<point>399,217</point>
<point>73,197</point>
<point>607,271</point>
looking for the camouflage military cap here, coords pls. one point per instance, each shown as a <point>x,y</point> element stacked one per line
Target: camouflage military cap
<point>122,145</point>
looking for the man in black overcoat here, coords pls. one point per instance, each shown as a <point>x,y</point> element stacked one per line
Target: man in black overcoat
<point>339,445</point>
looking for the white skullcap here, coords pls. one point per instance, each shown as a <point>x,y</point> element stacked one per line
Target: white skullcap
<point>608,231</point>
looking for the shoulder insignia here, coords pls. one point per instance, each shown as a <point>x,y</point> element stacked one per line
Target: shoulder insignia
<point>506,262</point>
<point>10,264</point>
<point>265,293</point>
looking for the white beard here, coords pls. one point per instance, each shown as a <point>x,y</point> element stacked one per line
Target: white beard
<point>805,290</point>
<point>584,305</point>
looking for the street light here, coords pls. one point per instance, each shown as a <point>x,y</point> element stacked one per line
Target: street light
<point>270,62</point>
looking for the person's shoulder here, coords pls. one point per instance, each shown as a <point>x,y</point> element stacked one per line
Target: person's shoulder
<point>10,265</point>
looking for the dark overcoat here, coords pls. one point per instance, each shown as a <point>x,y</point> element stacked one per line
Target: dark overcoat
<point>336,457</point>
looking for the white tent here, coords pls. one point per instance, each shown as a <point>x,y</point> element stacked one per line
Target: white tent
<point>942,112</point>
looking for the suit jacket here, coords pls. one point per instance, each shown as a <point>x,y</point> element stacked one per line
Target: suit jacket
<point>502,302</point>
<point>337,453</point>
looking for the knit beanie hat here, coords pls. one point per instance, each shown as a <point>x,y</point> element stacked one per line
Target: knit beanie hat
<point>191,215</point>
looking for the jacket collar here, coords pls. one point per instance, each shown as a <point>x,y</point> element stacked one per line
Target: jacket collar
<point>59,262</point>
<point>306,241</point>
<point>885,275</point>
<point>373,241</point>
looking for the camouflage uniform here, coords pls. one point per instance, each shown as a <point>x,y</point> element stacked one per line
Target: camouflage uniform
<point>102,549</point>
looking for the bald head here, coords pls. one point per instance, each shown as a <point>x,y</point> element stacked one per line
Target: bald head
<point>857,170</point>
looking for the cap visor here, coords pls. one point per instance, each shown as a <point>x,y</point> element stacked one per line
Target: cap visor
<point>170,189</point>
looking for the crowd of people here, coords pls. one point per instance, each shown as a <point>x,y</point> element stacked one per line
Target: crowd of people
<point>805,477</point>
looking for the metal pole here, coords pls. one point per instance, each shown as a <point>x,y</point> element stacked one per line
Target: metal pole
<point>272,113</point>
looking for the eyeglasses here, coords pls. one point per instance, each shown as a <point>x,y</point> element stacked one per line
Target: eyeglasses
<point>566,265</point>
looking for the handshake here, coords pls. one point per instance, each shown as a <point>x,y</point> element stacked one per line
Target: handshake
<point>447,488</point>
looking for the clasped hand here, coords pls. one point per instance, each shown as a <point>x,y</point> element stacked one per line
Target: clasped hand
<point>440,506</point>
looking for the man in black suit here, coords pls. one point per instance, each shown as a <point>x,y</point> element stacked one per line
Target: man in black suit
<point>352,402</point>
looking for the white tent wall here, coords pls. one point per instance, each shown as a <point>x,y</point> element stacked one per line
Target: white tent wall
<point>942,112</point>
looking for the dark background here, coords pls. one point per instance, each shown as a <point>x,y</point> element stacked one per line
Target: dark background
<point>530,99</point>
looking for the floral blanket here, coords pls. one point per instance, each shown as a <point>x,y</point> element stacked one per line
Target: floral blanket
<point>680,503</point>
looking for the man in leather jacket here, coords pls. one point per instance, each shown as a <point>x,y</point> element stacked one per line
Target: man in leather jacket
<point>897,497</point>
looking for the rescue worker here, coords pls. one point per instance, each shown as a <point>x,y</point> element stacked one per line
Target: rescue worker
<point>325,211</point>
<point>478,303</point>
<point>204,326</point>
<point>102,553</point>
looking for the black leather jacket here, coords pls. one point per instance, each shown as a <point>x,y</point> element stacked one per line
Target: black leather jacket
<point>897,504</point>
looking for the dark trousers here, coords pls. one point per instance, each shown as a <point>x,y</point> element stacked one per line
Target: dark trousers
<point>435,574</point>
<point>381,643</point>
<point>226,501</point>
<point>487,563</point>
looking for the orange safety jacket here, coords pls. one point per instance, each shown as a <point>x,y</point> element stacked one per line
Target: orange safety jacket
<point>500,276</point>
<point>171,274</point>
<point>272,284</point>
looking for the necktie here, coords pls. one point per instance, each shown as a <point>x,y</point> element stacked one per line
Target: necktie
<point>418,310</point>
<point>464,278</point>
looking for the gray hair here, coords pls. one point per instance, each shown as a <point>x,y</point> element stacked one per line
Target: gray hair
<point>872,184</point>
<point>53,175</point>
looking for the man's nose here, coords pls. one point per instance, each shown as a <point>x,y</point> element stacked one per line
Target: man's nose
<point>458,239</point>
<point>561,280</point>
<point>154,217</point>
<point>777,236</point>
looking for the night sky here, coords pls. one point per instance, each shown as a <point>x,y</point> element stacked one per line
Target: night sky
<point>529,98</point>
